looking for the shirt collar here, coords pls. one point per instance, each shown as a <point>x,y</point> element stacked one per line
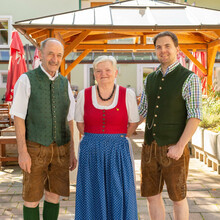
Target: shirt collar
<point>52,78</point>
<point>169,68</point>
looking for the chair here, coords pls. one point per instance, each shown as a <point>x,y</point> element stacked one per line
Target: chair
<point>3,156</point>
<point>5,118</point>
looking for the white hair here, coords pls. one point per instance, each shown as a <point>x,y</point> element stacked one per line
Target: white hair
<point>104,58</point>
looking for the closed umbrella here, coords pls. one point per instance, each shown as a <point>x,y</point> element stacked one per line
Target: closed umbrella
<point>182,58</point>
<point>17,65</point>
<point>36,61</point>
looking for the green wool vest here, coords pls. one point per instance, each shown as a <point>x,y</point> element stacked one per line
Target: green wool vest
<point>167,114</point>
<point>48,106</point>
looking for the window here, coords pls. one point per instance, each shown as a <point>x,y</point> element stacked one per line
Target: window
<point>5,31</point>
<point>3,78</point>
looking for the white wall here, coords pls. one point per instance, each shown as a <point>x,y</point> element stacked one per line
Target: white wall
<point>77,76</point>
<point>27,9</point>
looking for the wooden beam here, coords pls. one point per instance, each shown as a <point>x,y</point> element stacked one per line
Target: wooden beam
<point>51,33</point>
<point>194,60</point>
<point>42,38</point>
<point>59,37</point>
<point>186,39</point>
<point>190,38</point>
<point>217,32</point>
<point>34,30</point>
<point>209,34</point>
<point>134,46</point>
<point>76,42</point>
<point>211,54</point>
<point>22,31</point>
<point>214,43</point>
<point>77,61</point>
<point>62,67</point>
<point>194,46</point>
<point>110,36</point>
<point>115,47</point>
<point>143,40</point>
<point>68,34</point>
<point>40,34</point>
<point>69,75</point>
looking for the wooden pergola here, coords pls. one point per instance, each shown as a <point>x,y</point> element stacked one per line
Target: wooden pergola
<point>93,29</point>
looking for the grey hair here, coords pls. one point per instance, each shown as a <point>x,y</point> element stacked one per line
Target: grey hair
<point>43,43</point>
<point>104,58</point>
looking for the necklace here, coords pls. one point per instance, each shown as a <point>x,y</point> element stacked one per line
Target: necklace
<point>108,97</point>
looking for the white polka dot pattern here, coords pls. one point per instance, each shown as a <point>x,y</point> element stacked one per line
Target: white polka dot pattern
<point>105,181</point>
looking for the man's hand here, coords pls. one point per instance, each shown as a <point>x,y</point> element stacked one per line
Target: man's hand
<point>175,152</point>
<point>24,161</point>
<point>24,158</point>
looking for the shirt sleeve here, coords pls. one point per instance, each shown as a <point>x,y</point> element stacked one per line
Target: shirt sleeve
<point>79,111</point>
<point>70,115</point>
<point>132,107</point>
<point>192,94</point>
<point>143,106</point>
<point>22,91</point>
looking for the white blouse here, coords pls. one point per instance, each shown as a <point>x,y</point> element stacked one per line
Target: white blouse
<point>131,105</point>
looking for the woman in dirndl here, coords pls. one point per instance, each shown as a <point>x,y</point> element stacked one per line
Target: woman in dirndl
<point>106,115</point>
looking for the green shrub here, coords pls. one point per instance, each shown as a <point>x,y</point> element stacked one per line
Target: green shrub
<point>211,111</point>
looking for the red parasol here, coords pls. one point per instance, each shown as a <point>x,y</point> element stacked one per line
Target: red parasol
<point>181,58</point>
<point>36,61</point>
<point>16,66</point>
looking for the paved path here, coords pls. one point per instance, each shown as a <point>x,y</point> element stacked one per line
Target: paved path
<point>203,191</point>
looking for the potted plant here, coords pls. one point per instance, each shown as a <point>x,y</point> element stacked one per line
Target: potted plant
<point>211,126</point>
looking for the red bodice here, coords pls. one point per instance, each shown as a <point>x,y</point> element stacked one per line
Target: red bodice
<point>109,121</point>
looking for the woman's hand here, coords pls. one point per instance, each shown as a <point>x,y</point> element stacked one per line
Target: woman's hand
<point>131,128</point>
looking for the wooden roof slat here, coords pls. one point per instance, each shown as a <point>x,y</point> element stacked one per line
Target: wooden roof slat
<point>109,36</point>
<point>68,34</point>
<point>190,38</point>
<point>34,30</point>
<point>209,34</point>
<point>40,34</point>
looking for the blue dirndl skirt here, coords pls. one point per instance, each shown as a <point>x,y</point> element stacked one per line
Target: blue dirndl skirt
<point>105,187</point>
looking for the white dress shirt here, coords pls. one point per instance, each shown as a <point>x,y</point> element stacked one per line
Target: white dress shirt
<point>22,92</point>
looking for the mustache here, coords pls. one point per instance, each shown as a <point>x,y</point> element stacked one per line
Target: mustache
<point>53,63</point>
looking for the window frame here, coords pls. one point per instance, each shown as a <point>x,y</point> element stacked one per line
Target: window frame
<point>9,19</point>
<point>3,72</point>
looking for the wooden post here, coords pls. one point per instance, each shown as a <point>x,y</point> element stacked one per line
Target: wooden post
<point>211,54</point>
